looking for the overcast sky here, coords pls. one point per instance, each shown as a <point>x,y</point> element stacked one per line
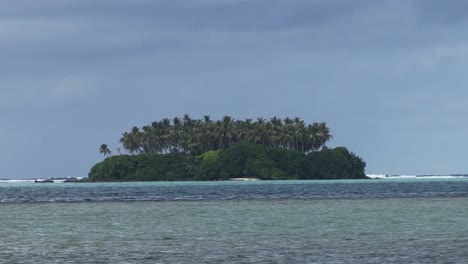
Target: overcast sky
<point>388,76</point>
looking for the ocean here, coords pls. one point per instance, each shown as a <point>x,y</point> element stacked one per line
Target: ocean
<point>343,221</point>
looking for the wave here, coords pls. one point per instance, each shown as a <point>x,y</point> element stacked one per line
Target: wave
<point>387,176</point>
<point>14,181</point>
<point>52,179</point>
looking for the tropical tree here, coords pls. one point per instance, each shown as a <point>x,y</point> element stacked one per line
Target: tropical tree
<point>104,150</point>
<point>196,136</point>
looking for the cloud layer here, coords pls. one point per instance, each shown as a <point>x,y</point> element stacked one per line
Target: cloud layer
<point>387,76</point>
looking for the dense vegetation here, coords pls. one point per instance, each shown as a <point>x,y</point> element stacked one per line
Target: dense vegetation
<point>239,160</point>
<point>197,136</point>
<point>193,149</point>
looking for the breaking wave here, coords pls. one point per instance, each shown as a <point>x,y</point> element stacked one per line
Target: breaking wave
<point>390,177</point>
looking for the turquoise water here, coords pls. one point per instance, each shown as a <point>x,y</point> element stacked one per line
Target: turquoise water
<point>390,229</point>
<point>30,192</point>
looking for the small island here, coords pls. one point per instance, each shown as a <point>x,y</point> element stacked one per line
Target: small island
<point>186,149</point>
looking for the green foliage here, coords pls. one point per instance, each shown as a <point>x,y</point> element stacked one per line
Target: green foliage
<point>113,168</point>
<point>337,163</point>
<point>208,167</point>
<point>104,150</point>
<point>203,149</point>
<point>239,160</point>
<point>196,136</point>
<point>145,167</point>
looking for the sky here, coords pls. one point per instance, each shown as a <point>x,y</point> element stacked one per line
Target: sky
<point>388,77</point>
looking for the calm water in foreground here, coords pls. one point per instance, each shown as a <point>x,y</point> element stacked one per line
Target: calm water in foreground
<point>375,221</point>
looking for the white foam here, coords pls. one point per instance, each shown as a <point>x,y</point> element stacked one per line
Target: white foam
<point>441,177</point>
<point>376,176</point>
<point>390,177</point>
<point>16,181</point>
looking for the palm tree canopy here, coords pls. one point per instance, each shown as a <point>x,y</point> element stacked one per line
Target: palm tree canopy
<point>104,150</point>
<point>188,135</point>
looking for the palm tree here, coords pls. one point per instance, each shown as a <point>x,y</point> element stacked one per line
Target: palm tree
<point>258,135</point>
<point>131,141</point>
<point>196,136</point>
<point>299,127</point>
<point>175,134</point>
<point>104,150</point>
<point>208,128</point>
<point>288,133</point>
<point>227,131</point>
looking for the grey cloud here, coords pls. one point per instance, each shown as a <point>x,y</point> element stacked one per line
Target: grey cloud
<point>380,72</point>
<point>84,34</point>
<point>263,15</point>
<point>99,30</point>
<point>443,13</point>
<point>253,15</point>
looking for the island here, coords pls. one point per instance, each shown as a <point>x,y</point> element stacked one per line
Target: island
<point>186,149</point>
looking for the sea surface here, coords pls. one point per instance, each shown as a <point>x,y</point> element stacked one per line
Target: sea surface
<point>344,221</point>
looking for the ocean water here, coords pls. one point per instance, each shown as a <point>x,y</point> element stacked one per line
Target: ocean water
<point>370,221</point>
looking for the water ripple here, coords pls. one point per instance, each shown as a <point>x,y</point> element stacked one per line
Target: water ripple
<point>189,191</point>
